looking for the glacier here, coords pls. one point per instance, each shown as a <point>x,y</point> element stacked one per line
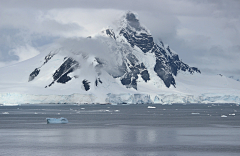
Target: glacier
<point>124,98</point>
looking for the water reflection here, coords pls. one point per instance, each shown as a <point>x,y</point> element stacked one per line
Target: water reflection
<point>115,135</point>
<point>153,136</point>
<point>130,131</point>
<point>125,140</point>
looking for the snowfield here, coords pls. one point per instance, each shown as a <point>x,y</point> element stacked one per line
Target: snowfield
<point>196,88</point>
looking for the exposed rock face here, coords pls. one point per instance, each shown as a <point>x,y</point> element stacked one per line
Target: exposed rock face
<point>167,63</point>
<point>33,74</point>
<point>86,85</point>
<point>129,79</point>
<point>61,74</point>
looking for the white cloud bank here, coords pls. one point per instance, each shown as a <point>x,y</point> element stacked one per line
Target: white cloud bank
<point>25,52</point>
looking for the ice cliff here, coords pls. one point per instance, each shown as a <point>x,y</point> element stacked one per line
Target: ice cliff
<point>127,98</point>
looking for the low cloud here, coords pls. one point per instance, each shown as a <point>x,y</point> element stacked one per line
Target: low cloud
<point>90,47</point>
<point>25,52</point>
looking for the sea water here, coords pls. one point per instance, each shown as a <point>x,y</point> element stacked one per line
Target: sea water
<point>128,130</point>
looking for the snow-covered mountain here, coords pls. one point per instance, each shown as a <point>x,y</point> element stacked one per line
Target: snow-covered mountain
<point>126,43</point>
<point>119,65</point>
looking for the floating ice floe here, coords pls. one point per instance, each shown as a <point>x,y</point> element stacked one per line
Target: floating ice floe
<point>151,107</point>
<point>61,120</point>
<point>11,104</point>
<point>195,113</point>
<point>223,116</point>
<point>5,113</point>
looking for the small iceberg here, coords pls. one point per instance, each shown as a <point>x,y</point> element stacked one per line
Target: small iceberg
<point>61,120</point>
<point>232,114</point>
<point>11,104</point>
<point>195,113</point>
<point>151,107</point>
<point>5,113</point>
<point>223,116</point>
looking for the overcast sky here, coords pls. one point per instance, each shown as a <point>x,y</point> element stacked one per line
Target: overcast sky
<point>205,33</point>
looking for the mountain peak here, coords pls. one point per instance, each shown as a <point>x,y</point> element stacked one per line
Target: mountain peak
<point>133,21</point>
<point>130,20</point>
<point>131,17</point>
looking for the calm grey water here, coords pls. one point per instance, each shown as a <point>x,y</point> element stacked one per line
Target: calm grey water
<point>128,130</point>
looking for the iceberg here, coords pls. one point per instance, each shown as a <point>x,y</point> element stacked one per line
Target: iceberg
<point>195,113</point>
<point>223,116</point>
<point>61,120</point>
<point>152,107</point>
<point>11,104</point>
